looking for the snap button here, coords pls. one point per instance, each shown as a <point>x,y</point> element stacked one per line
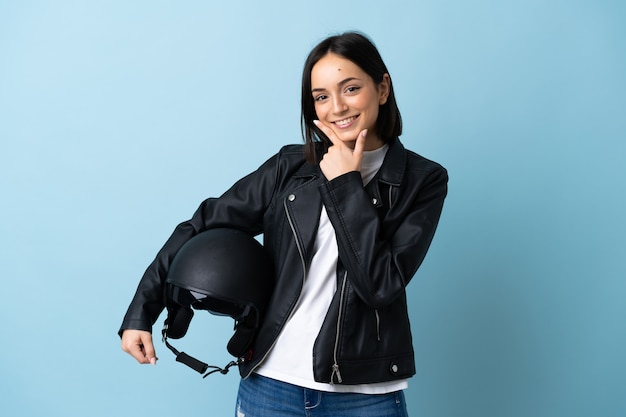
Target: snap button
<point>374,201</point>
<point>393,368</point>
<point>291,197</point>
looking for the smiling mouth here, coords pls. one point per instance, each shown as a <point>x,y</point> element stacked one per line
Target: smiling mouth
<point>345,122</point>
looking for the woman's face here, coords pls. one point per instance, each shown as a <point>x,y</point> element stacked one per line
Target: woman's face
<point>347,99</point>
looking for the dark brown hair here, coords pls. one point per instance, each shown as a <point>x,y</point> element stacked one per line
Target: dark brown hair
<point>361,51</point>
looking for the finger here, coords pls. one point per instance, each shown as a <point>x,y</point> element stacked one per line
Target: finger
<point>359,145</point>
<point>148,349</point>
<point>327,131</point>
<point>139,345</point>
<point>136,351</point>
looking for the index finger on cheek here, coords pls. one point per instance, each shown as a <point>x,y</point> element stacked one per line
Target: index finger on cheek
<point>328,132</point>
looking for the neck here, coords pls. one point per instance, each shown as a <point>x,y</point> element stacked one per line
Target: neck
<point>373,142</point>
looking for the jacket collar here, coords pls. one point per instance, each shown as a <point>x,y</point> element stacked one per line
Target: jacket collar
<point>394,165</point>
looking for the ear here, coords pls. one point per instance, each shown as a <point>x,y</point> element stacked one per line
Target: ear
<point>383,89</point>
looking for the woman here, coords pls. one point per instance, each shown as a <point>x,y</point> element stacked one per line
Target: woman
<point>347,219</point>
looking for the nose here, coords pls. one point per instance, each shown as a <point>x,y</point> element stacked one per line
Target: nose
<point>339,106</point>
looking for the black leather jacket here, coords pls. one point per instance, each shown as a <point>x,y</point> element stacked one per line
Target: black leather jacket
<point>383,233</point>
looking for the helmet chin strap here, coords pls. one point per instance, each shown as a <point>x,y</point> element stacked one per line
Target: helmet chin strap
<point>194,363</point>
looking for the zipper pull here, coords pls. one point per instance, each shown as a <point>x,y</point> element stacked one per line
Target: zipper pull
<point>335,372</point>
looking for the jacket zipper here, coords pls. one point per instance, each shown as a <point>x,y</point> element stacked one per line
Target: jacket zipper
<point>336,348</point>
<point>376,313</point>
<point>295,235</point>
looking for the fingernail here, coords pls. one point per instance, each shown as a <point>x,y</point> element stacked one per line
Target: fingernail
<point>153,361</point>
<point>316,122</point>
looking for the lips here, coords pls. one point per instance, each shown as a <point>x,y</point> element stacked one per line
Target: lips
<point>345,122</point>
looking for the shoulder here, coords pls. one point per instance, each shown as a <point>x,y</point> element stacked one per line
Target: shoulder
<point>426,175</point>
<point>289,160</point>
<point>291,156</point>
<point>417,162</point>
<point>292,151</point>
<point>404,163</point>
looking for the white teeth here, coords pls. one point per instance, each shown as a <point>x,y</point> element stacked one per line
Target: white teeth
<point>345,122</point>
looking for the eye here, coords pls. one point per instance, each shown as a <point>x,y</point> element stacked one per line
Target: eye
<point>352,89</point>
<point>321,97</point>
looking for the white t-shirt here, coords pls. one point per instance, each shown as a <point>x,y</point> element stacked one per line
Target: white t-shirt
<point>290,360</point>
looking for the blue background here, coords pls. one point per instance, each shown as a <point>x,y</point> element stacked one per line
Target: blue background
<point>118,117</point>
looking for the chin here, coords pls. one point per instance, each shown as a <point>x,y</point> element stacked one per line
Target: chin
<point>350,136</point>
<point>348,141</point>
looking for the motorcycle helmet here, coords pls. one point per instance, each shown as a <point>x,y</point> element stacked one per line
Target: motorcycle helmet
<point>226,272</point>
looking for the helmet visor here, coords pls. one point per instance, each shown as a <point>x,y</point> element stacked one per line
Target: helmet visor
<point>200,301</point>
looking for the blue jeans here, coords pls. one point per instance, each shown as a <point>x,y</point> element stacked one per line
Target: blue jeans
<point>265,397</point>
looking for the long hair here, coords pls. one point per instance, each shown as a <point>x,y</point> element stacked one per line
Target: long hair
<point>361,51</point>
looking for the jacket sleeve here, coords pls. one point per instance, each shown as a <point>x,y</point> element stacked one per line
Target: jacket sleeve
<point>382,255</point>
<point>241,207</point>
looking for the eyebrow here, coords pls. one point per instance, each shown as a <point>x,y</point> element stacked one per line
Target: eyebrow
<point>340,83</point>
